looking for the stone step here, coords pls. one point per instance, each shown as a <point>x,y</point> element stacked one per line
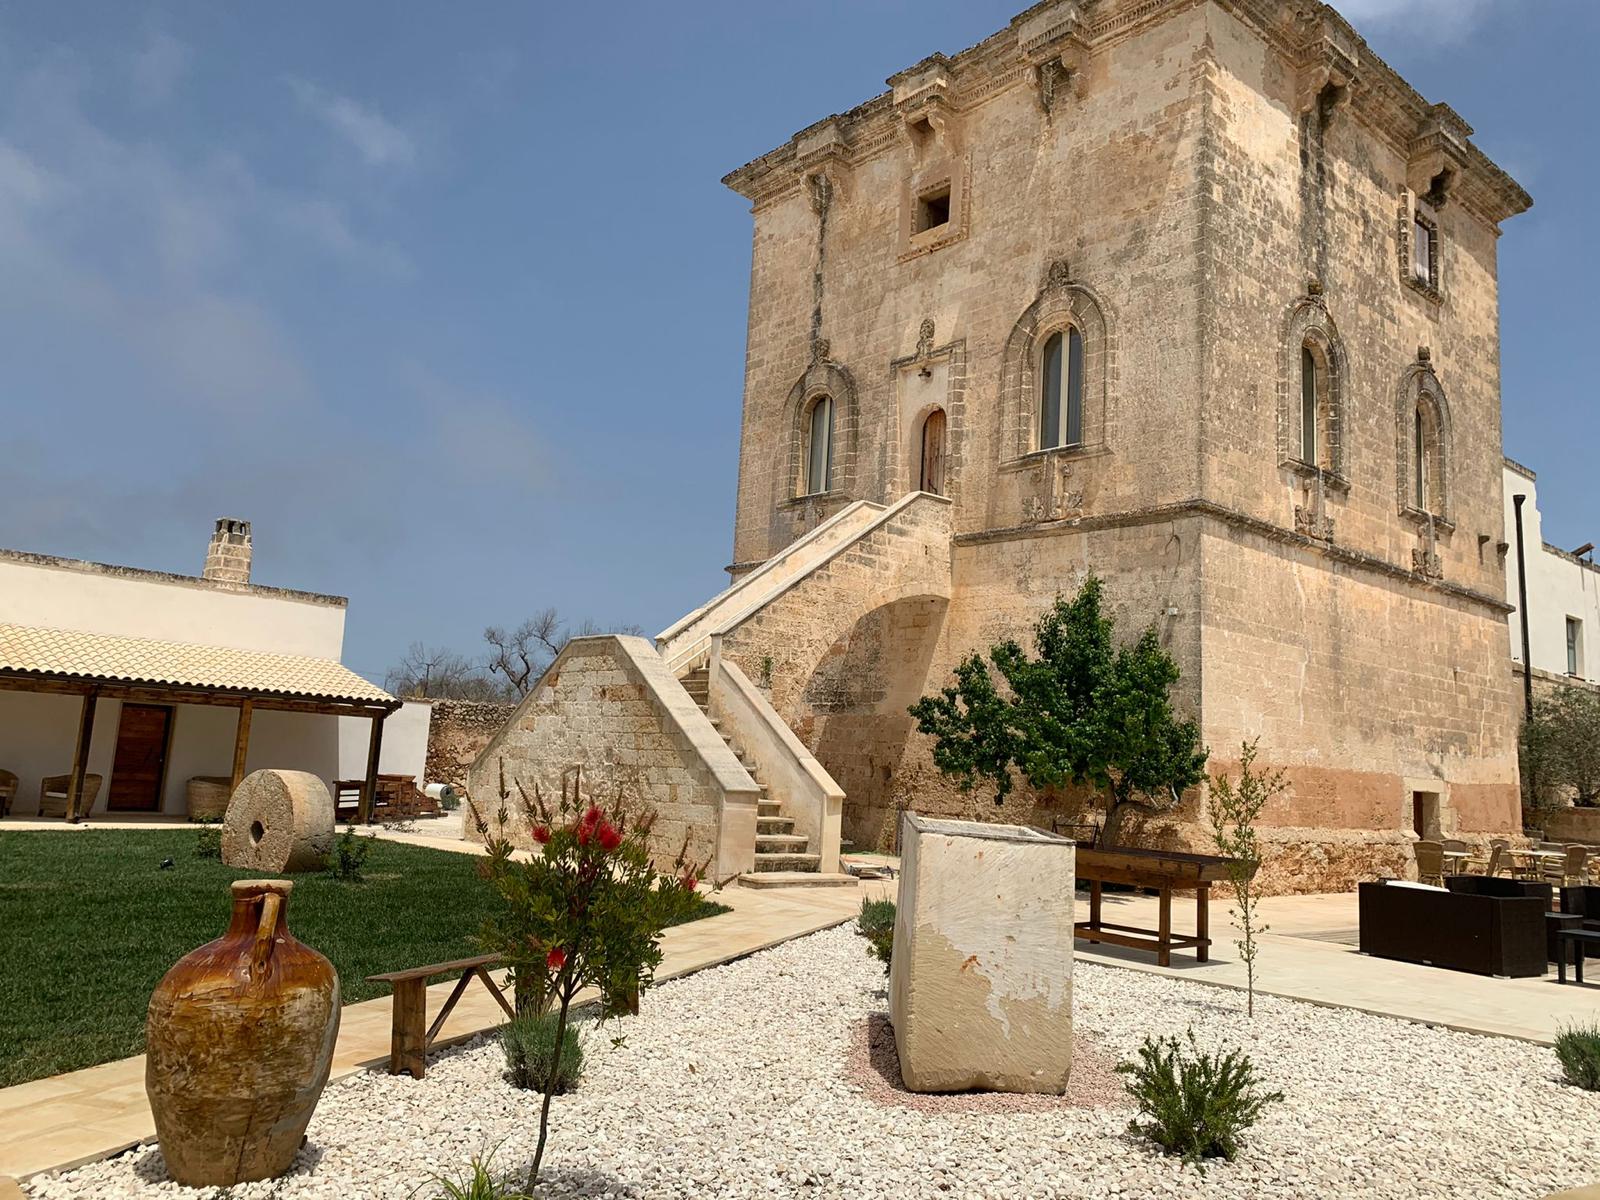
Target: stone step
<point>782,843</point>
<point>766,807</point>
<point>788,862</point>
<point>783,879</point>
<point>766,825</point>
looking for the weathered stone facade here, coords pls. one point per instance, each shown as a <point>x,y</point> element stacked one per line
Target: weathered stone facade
<point>1208,194</point>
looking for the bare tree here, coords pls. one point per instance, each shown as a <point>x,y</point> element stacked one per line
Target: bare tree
<point>433,672</point>
<point>519,657</point>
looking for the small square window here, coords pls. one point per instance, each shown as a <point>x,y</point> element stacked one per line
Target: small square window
<point>933,209</point>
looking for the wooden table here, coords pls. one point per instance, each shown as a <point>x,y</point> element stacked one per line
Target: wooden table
<point>1164,872</point>
<point>398,796</point>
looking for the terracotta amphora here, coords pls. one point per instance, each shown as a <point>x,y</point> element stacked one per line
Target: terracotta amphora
<point>239,1041</point>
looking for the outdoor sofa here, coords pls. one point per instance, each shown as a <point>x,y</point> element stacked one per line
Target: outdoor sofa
<point>1457,930</point>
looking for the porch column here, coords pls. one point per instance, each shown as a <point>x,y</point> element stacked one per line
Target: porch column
<point>241,745</point>
<point>369,790</point>
<point>80,759</point>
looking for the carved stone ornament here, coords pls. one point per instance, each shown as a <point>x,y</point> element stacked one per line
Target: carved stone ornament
<point>1057,275</point>
<point>1427,564</point>
<point>1309,523</point>
<point>925,338</point>
<point>820,350</point>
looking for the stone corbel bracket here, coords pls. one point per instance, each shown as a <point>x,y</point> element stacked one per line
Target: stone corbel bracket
<point>923,99</point>
<point>1051,41</point>
<point>822,160</point>
<point>1328,75</point>
<point>1439,157</point>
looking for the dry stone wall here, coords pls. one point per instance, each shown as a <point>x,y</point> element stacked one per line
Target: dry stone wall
<point>457,733</point>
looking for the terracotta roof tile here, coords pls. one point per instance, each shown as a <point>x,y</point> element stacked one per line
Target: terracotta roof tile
<point>110,658</point>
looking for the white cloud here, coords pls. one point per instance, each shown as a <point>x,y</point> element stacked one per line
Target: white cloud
<point>378,140</point>
<point>1445,20</point>
<point>327,224</point>
<point>158,66</point>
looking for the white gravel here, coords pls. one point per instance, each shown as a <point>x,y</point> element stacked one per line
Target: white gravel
<point>733,1083</point>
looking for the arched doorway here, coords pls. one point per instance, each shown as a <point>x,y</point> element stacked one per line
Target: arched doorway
<point>931,474</point>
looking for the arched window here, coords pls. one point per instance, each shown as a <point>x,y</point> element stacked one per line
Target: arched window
<point>1309,387</point>
<point>1422,444</point>
<point>819,447</point>
<point>931,476</point>
<point>1061,390</point>
<point>1426,475</point>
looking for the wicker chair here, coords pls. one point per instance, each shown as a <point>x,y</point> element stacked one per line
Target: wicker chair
<point>53,794</point>
<point>1497,861</point>
<point>1430,863</point>
<point>1569,872</point>
<point>8,792</point>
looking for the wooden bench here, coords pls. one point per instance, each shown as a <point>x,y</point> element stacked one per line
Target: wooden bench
<point>412,1035</point>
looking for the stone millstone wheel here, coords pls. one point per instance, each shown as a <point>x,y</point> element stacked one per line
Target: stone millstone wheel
<point>278,821</point>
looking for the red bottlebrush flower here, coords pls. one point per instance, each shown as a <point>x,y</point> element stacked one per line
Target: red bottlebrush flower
<point>689,882</point>
<point>610,839</point>
<point>541,834</point>
<point>556,959</point>
<point>590,822</point>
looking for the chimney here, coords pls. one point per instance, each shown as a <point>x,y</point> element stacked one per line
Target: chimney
<point>228,555</point>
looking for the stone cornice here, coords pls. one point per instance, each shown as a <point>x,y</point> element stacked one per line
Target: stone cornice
<point>1311,38</point>
<point>1244,522</point>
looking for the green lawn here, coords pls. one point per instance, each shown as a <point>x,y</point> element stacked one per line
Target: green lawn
<point>89,923</point>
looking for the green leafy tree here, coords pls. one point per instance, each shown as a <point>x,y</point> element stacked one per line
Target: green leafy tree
<point>585,909</point>
<point>1082,710</point>
<point>1560,748</point>
<point>1234,809</point>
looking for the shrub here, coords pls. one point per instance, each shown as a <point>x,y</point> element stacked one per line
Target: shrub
<point>349,855</point>
<point>529,1042</point>
<point>585,909</point>
<point>1198,1103</point>
<point>1578,1049</point>
<point>876,924</point>
<point>209,843</point>
<point>479,1183</point>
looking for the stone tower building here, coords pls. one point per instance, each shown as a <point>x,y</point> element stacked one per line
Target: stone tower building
<point>1198,295</point>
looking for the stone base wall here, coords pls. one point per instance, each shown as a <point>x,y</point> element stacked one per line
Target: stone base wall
<point>457,734</point>
<point>607,706</point>
<point>1571,825</point>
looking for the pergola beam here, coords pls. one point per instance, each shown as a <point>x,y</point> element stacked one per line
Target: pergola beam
<point>369,789</point>
<point>80,759</point>
<point>241,744</point>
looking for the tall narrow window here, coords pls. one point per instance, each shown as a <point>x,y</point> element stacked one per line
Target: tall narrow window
<point>819,461</point>
<point>1419,462</point>
<point>1308,406</point>
<point>931,478</point>
<point>1061,398</point>
<point>1422,251</point>
<point>1574,646</point>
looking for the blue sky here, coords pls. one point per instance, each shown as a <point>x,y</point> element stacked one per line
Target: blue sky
<point>449,302</point>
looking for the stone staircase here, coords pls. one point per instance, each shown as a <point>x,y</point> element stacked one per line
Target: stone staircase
<point>783,857</point>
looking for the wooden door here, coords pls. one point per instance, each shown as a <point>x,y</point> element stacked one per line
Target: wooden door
<point>140,765</point>
<point>932,477</point>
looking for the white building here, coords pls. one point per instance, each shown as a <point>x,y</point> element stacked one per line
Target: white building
<point>146,679</point>
<point>1563,591</point>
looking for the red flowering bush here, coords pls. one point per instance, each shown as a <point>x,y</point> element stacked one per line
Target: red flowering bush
<point>584,909</point>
